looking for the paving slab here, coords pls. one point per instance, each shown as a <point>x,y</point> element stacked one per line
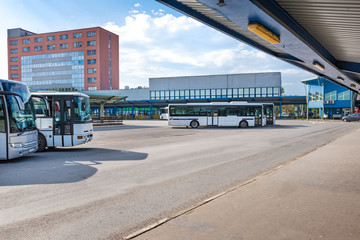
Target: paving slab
<point>316,196</point>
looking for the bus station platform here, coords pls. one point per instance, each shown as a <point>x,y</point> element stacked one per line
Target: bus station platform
<point>316,196</point>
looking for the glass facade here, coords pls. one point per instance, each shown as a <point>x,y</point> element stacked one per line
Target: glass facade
<point>58,68</point>
<point>215,93</point>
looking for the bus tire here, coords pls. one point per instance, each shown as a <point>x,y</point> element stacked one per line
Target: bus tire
<point>243,124</point>
<point>41,143</point>
<point>194,124</point>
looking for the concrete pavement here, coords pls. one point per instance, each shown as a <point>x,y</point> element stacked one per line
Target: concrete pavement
<point>316,196</point>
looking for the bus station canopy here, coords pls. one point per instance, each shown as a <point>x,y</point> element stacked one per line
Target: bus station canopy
<point>102,98</point>
<point>320,36</point>
<point>281,100</point>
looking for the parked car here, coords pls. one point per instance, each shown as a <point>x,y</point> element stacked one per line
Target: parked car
<point>351,117</point>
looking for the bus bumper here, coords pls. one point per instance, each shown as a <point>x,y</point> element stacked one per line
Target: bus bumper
<point>18,150</point>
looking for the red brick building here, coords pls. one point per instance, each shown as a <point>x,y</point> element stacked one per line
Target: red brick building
<point>82,59</point>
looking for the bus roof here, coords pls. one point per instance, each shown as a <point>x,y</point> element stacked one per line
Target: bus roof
<point>54,93</point>
<point>234,103</point>
<point>12,81</point>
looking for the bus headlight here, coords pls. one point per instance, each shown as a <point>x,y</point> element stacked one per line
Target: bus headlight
<point>16,145</point>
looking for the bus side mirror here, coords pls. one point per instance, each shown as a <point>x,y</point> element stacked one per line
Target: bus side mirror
<point>83,106</point>
<point>20,102</point>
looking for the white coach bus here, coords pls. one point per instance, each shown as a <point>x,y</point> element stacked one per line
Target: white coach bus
<point>18,133</point>
<point>236,114</point>
<point>63,119</point>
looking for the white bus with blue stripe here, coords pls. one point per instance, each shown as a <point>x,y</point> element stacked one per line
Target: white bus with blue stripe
<point>224,114</point>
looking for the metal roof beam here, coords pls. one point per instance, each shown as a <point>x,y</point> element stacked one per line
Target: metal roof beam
<point>349,67</point>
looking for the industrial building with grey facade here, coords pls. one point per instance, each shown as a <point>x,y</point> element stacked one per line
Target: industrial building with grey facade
<point>145,103</point>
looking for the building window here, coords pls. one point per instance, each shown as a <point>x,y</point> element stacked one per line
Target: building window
<point>241,92</point>
<point>13,42</point>
<point>229,93</point>
<point>91,61</point>
<point>330,96</point>
<point>344,95</point>
<point>26,49</point>
<point>263,92</point>
<point>319,96</point>
<point>51,47</point>
<point>14,59</point>
<point>91,43</point>
<point>258,92</point>
<point>312,97</point>
<point>77,35</point>
<point>252,92</point>
<point>92,88</point>
<point>50,38</point>
<point>64,37</point>
<point>26,40</point>
<point>207,92</point>
<point>38,39</point>
<point>246,92</point>
<point>91,34</point>
<point>91,52</point>
<point>14,75</point>
<point>64,45</point>
<point>91,70</point>
<point>276,92</point>
<point>77,44</point>
<point>14,67</point>
<point>92,80</point>
<point>14,50</point>
<point>38,48</point>
<point>269,92</point>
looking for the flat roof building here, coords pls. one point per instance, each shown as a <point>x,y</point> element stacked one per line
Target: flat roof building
<point>328,99</point>
<point>82,59</point>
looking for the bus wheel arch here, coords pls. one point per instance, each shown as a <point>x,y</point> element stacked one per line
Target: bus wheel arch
<point>41,142</point>
<point>194,124</point>
<point>243,124</point>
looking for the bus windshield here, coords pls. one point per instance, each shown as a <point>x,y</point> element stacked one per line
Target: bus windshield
<point>21,118</point>
<point>82,109</point>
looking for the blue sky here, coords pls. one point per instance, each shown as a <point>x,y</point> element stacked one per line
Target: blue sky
<point>154,40</point>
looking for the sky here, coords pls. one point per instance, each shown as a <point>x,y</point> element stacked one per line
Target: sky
<point>154,40</point>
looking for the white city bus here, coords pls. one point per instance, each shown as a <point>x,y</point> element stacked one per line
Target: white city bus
<point>63,119</point>
<point>239,114</point>
<point>18,133</point>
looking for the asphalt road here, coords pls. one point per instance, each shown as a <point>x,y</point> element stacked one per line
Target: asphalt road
<point>132,175</point>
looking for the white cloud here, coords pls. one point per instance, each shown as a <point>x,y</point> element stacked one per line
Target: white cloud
<point>161,45</point>
<point>137,5</point>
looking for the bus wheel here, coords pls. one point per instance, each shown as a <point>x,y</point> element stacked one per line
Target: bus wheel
<point>243,124</point>
<point>194,124</point>
<point>41,142</point>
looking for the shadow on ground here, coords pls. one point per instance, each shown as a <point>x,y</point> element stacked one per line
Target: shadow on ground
<point>60,165</point>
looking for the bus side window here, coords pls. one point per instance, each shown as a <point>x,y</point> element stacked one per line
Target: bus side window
<point>222,111</point>
<point>2,116</point>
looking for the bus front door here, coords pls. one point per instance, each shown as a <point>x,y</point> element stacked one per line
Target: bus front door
<point>3,130</point>
<point>213,118</point>
<point>258,117</point>
<point>63,127</point>
<point>269,116</point>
